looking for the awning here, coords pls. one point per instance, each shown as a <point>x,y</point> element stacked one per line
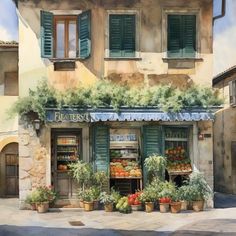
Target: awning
<point>127,114</point>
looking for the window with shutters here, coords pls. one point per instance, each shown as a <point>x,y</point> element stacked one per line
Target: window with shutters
<point>181,39</point>
<point>64,36</point>
<point>232,92</point>
<point>122,35</point>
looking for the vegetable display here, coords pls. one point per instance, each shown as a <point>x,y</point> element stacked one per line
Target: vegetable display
<point>123,205</point>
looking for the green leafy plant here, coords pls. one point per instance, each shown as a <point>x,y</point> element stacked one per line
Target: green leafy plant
<point>43,194</point>
<point>82,172</point>
<point>100,178</point>
<point>107,94</point>
<point>115,194</point>
<point>200,190</point>
<point>96,191</point>
<point>155,166</point>
<point>88,195</point>
<point>149,194</point>
<point>166,189</point>
<point>106,198</point>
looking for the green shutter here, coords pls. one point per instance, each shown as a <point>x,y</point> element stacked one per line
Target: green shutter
<point>84,34</point>
<point>152,143</point>
<point>189,35</point>
<point>122,35</point>
<point>46,34</point>
<point>174,36</point>
<point>181,35</point>
<point>115,35</point>
<point>129,36</point>
<point>101,148</point>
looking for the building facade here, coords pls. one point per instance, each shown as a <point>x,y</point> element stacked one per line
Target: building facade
<point>137,43</point>
<point>9,178</point>
<point>224,134</point>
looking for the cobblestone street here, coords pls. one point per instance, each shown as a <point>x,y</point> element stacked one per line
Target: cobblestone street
<point>22,222</point>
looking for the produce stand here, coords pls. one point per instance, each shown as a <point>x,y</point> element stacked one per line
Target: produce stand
<point>125,161</point>
<point>177,152</point>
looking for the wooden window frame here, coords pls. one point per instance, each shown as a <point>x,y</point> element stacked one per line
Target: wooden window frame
<point>66,20</point>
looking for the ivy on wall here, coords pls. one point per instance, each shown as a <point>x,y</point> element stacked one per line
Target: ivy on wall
<point>110,95</point>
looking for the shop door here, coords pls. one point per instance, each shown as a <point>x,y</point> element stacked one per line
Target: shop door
<point>12,174</point>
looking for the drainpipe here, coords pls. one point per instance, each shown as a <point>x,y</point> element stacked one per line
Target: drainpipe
<point>223,7</point>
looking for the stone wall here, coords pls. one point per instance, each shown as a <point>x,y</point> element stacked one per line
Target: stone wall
<point>32,161</point>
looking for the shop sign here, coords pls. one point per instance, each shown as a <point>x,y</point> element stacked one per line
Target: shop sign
<point>67,116</point>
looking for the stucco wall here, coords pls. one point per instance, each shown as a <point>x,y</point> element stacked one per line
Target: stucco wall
<point>152,44</point>
<point>224,134</point>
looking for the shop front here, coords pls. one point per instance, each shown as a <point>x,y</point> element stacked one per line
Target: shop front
<point>118,144</point>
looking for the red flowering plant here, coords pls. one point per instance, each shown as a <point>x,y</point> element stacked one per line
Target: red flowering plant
<point>133,199</point>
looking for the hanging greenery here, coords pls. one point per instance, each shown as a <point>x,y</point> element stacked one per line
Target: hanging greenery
<point>110,95</point>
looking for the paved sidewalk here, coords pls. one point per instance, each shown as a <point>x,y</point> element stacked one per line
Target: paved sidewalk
<point>14,222</point>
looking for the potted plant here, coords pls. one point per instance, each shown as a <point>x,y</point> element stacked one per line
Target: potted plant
<point>148,197</point>
<point>155,166</point>
<point>185,197</point>
<point>88,199</point>
<point>107,200</point>
<point>43,196</point>
<point>134,202</point>
<point>31,200</point>
<point>200,190</point>
<point>80,196</point>
<point>175,205</point>
<point>96,194</point>
<point>166,190</point>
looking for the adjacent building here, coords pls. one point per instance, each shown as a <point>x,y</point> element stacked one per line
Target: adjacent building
<point>224,133</point>
<point>76,43</point>
<point>9,176</point>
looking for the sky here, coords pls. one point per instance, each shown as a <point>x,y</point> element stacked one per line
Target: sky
<point>224,32</point>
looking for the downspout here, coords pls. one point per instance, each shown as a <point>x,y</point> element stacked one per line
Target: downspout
<point>223,7</point>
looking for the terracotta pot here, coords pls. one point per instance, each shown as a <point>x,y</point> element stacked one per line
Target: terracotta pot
<point>96,205</point>
<point>81,204</point>
<point>33,206</point>
<point>164,207</point>
<point>149,206</point>
<point>88,206</point>
<point>198,205</point>
<point>175,207</point>
<point>108,207</point>
<point>184,205</point>
<point>42,207</point>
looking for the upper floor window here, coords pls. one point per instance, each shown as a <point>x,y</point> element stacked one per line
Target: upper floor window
<point>232,92</point>
<point>65,36</point>
<point>181,41</point>
<point>122,35</point>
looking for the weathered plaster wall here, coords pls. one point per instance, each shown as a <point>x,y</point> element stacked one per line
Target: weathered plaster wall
<point>152,41</point>
<point>224,134</point>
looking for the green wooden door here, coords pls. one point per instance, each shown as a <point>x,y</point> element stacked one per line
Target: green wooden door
<point>152,144</point>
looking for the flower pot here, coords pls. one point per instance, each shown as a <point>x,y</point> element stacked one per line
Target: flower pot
<point>88,206</point>
<point>136,207</point>
<point>164,207</point>
<point>42,207</point>
<point>175,207</point>
<point>198,205</point>
<point>108,207</point>
<point>33,206</point>
<point>96,205</point>
<point>184,205</point>
<point>149,206</point>
<point>81,204</point>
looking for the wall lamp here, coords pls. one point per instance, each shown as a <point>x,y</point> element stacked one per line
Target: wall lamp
<point>37,125</point>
